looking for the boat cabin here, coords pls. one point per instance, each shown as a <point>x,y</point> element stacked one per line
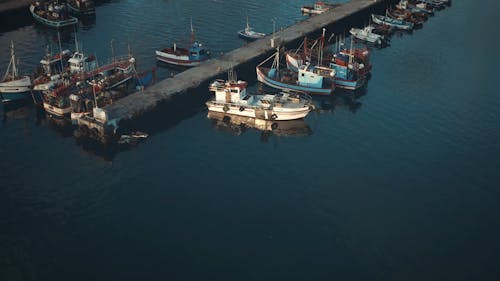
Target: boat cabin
<point>79,62</point>
<point>229,92</point>
<point>312,77</point>
<point>198,52</point>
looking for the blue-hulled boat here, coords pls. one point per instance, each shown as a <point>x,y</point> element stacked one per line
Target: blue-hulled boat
<point>347,73</point>
<point>396,23</point>
<point>81,7</point>
<point>192,56</point>
<point>249,34</point>
<point>52,14</point>
<point>14,87</point>
<point>309,78</point>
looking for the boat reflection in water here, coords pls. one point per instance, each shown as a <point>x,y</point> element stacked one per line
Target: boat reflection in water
<point>239,124</point>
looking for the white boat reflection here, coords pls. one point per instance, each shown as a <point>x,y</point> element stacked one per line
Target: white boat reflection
<point>239,124</point>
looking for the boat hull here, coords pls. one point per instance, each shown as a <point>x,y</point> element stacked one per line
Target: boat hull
<point>292,64</point>
<point>258,113</point>
<point>263,78</point>
<point>248,37</point>
<point>15,90</point>
<point>12,97</point>
<point>57,111</point>
<point>392,22</point>
<point>78,11</point>
<point>58,24</point>
<point>312,11</point>
<point>177,60</point>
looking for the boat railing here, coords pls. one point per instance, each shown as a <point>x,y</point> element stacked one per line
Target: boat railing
<point>234,104</point>
<point>298,94</point>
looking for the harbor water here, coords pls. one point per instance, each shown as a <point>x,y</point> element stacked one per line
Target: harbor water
<point>397,182</point>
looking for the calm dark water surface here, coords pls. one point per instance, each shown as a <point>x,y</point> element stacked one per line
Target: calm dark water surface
<point>401,183</point>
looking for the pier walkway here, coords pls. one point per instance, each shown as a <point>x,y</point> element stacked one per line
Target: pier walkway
<point>138,103</point>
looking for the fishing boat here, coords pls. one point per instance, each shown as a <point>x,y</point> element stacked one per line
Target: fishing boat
<point>416,18</point>
<point>308,78</point>
<point>435,4</point>
<point>81,7</point>
<point>249,34</point>
<point>368,35</point>
<point>51,66</point>
<point>192,56</point>
<point>53,14</point>
<point>13,86</point>
<point>347,75</point>
<point>396,23</point>
<point>317,8</point>
<point>231,98</point>
<point>414,8</point>
<point>56,100</point>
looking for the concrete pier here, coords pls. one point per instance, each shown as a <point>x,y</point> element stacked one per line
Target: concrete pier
<point>138,103</point>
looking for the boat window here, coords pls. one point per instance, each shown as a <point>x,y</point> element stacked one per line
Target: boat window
<point>202,52</point>
<point>234,91</point>
<point>194,53</point>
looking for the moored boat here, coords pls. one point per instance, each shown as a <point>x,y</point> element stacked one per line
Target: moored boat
<point>347,74</point>
<point>249,34</point>
<point>317,8</point>
<point>414,8</point>
<point>308,78</point>
<point>396,23</point>
<point>13,86</point>
<point>81,7</point>
<point>368,35</point>
<point>53,14</point>
<point>192,56</point>
<point>231,97</point>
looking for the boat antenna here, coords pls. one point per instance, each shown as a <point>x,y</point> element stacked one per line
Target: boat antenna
<point>112,51</point>
<point>248,26</point>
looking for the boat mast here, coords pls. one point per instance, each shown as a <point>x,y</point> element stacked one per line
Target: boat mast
<point>320,51</point>
<point>113,51</point>
<point>60,50</point>
<point>10,62</point>
<point>13,58</point>
<point>192,31</point>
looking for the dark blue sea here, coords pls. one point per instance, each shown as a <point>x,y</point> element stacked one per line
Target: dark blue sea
<point>399,182</point>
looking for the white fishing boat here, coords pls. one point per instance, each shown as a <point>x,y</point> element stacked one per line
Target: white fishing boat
<point>231,98</point>
<point>14,87</point>
<point>190,56</point>
<point>366,34</point>
<point>249,34</point>
<point>316,9</point>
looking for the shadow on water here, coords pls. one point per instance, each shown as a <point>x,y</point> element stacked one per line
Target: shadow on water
<point>16,110</point>
<point>165,116</point>
<point>15,19</point>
